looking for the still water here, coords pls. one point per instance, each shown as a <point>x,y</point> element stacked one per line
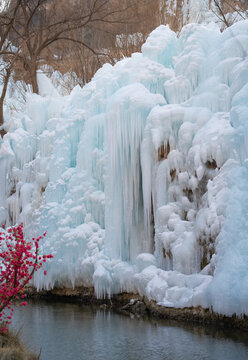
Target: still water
<point>74,332</point>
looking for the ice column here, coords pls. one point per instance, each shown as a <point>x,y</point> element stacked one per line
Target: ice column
<point>125,121</point>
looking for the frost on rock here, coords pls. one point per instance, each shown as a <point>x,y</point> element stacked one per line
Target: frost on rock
<point>140,177</point>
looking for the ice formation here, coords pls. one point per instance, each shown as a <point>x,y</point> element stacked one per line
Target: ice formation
<point>180,13</point>
<point>140,177</point>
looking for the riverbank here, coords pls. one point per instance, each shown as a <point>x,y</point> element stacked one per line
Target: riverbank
<point>11,348</point>
<point>136,305</point>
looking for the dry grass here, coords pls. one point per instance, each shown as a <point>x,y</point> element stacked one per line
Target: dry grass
<point>11,348</point>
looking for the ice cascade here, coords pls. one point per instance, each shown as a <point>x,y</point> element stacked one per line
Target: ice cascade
<point>140,177</point>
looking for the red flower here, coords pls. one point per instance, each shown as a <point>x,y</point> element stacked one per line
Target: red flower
<point>19,260</point>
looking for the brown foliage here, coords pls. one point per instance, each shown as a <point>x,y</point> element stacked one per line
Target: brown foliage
<point>12,349</point>
<point>78,35</point>
<point>82,43</point>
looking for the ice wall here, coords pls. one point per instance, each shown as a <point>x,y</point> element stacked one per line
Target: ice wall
<point>140,176</point>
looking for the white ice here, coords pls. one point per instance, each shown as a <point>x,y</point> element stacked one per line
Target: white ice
<point>140,177</point>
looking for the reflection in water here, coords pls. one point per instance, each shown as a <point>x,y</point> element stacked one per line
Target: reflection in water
<point>74,332</point>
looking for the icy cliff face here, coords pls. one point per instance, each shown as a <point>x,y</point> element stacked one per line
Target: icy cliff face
<point>140,177</point>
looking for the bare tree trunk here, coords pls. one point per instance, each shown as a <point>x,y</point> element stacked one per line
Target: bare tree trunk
<point>33,77</point>
<point>4,91</point>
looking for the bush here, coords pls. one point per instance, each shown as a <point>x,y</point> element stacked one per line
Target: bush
<point>12,349</point>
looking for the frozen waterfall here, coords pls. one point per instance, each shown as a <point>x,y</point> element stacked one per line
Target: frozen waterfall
<point>140,178</point>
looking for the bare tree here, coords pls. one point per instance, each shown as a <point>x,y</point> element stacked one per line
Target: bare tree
<point>41,23</point>
<point>33,31</point>
<point>227,11</point>
<point>8,53</point>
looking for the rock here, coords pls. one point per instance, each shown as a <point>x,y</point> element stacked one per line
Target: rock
<point>136,307</point>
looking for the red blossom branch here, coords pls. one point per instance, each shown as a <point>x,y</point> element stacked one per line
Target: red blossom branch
<point>18,262</point>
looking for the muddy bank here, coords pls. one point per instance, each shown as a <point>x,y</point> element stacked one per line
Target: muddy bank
<point>128,303</point>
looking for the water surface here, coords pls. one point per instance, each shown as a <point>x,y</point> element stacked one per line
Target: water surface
<point>76,332</point>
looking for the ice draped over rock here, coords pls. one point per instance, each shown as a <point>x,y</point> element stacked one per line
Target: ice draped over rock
<point>140,177</point>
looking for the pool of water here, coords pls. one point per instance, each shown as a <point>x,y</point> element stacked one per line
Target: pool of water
<point>74,332</point>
